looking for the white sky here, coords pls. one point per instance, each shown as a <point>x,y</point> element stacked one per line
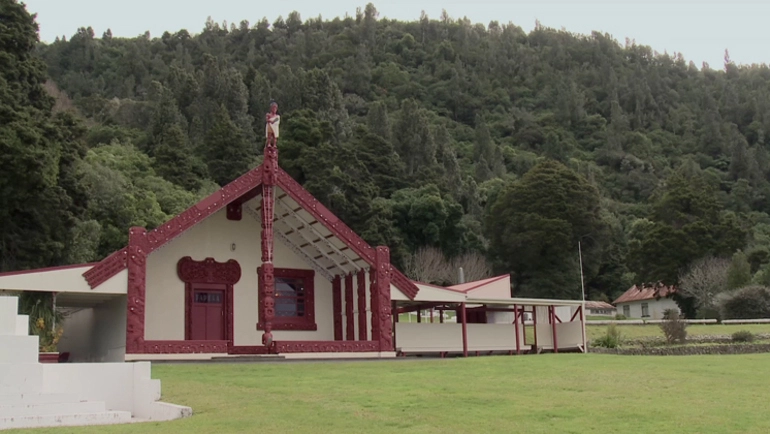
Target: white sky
<point>699,29</point>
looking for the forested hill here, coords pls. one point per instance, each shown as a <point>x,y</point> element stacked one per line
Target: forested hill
<point>432,133</point>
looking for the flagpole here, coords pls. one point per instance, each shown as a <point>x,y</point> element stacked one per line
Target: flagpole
<point>583,296</point>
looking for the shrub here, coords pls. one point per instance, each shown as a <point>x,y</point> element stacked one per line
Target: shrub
<point>751,302</point>
<point>743,336</point>
<point>673,326</point>
<point>620,317</point>
<point>611,339</point>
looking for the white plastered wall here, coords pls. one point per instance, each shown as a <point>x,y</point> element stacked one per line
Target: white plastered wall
<point>656,308</point>
<point>214,237</point>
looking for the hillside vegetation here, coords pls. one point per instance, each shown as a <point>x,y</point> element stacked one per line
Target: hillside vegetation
<point>432,133</point>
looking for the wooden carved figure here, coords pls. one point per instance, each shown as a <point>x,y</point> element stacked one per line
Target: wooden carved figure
<point>272,123</point>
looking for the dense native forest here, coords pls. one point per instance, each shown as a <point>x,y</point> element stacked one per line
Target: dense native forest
<point>442,134</point>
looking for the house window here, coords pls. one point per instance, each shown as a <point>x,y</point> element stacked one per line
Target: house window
<point>645,310</point>
<point>627,311</point>
<point>294,299</point>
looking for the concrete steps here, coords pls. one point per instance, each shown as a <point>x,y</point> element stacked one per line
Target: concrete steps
<point>36,398</point>
<point>78,419</point>
<point>51,408</point>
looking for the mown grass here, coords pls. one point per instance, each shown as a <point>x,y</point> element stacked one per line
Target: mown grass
<point>547,393</point>
<point>649,330</point>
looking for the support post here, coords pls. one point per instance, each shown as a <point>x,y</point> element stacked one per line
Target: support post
<point>553,328</point>
<point>361,280</point>
<point>516,328</point>
<point>419,316</point>
<point>583,326</point>
<point>441,316</point>
<point>350,323</point>
<point>431,315</point>
<point>534,326</point>
<point>373,303</point>
<point>382,293</point>
<point>465,330</point>
<point>337,307</point>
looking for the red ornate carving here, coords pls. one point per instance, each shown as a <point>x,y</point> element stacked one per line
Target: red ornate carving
<point>326,346</point>
<point>338,228</point>
<point>247,349</point>
<point>135,293</point>
<point>184,347</point>
<point>337,307</point>
<point>164,233</point>
<point>235,211</point>
<point>350,322</point>
<point>306,322</point>
<point>384,329</point>
<point>361,280</point>
<point>209,271</point>
<point>108,267</point>
<point>373,302</point>
<point>266,301</point>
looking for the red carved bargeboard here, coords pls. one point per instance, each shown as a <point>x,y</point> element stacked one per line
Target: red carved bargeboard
<point>184,347</point>
<point>137,270</point>
<point>361,280</point>
<point>326,346</point>
<point>164,233</point>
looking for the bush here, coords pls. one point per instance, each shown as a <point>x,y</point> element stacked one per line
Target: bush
<point>743,336</point>
<point>611,339</point>
<point>620,317</point>
<point>674,328</point>
<point>751,302</point>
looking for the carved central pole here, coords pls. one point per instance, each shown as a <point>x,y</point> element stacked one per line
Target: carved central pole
<point>267,310</point>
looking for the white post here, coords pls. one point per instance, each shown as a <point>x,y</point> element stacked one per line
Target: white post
<point>583,295</point>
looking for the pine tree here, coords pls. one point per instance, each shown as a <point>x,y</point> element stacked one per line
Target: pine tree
<point>228,155</point>
<point>174,160</point>
<point>378,121</point>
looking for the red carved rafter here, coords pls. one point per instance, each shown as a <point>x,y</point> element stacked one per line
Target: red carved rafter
<point>339,228</point>
<point>350,323</point>
<point>164,233</point>
<point>337,307</point>
<point>361,280</point>
<point>209,271</point>
<point>385,328</point>
<point>326,346</point>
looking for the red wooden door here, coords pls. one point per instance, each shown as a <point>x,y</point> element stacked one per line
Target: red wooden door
<point>207,315</point>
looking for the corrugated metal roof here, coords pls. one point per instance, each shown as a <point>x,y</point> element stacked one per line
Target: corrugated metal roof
<point>598,305</point>
<point>645,292</point>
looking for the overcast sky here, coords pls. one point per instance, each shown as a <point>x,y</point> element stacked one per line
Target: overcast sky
<point>699,29</point>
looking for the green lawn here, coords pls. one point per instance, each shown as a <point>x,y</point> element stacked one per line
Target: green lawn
<point>547,393</point>
<point>649,330</point>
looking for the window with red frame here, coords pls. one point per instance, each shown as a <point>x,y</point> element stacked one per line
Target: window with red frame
<point>294,299</point>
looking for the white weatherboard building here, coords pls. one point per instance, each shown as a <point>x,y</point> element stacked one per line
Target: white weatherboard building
<point>647,302</point>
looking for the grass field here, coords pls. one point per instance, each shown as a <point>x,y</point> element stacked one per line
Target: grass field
<point>547,393</point>
<point>640,331</point>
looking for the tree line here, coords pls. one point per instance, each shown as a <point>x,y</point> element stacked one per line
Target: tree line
<point>438,133</point>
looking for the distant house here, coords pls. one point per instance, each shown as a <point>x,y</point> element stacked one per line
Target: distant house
<point>600,308</point>
<point>646,302</point>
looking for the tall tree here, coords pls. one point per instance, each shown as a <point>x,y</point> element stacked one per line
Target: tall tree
<point>227,153</point>
<point>535,225</point>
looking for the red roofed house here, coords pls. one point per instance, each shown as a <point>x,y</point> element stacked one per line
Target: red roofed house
<point>261,267</point>
<point>646,302</point>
